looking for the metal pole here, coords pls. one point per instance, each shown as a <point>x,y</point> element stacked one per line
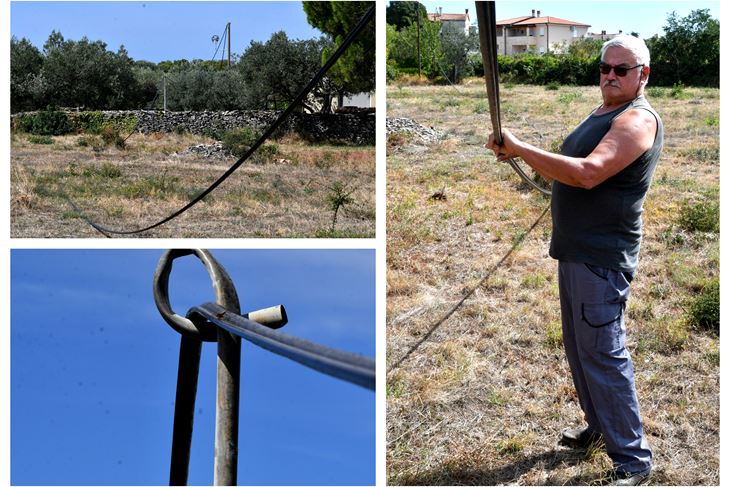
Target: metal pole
<point>227,400</point>
<point>418,36</point>
<point>182,429</point>
<point>164,92</point>
<point>228,26</point>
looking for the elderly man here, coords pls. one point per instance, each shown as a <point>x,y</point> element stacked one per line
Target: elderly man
<point>600,180</point>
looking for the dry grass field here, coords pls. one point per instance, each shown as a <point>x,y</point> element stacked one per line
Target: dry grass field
<point>483,399</point>
<point>290,196</point>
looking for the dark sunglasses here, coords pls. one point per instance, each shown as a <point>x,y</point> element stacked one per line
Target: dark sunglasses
<point>620,71</point>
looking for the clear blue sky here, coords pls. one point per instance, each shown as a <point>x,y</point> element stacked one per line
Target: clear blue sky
<point>93,369</point>
<point>645,17</point>
<point>158,31</point>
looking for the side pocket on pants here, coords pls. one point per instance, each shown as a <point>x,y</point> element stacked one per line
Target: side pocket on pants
<point>601,314</point>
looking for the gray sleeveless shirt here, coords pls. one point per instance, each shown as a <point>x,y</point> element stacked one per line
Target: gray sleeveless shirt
<point>602,226</point>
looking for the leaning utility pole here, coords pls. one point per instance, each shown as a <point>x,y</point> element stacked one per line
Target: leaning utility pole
<point>228,27</point>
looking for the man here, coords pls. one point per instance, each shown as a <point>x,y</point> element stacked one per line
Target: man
<point>600,180</point>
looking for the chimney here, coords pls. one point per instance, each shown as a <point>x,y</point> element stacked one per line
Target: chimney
<point>441,11</point>
<point>533,12</point>
<point>466,12</point>
<point>620,32</point>
<point>538,13</point>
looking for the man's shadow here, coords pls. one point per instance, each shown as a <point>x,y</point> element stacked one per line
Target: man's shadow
<point>507,474</point>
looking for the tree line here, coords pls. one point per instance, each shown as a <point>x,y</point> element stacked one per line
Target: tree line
<point>267,75</point>
<point>687,54</point>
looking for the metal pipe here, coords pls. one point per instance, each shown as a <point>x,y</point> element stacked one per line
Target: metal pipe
<point>226,412</point>
<point>182,429</point>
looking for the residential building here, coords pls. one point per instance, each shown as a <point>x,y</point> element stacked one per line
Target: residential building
<point>602,36</point>
<point>452,22</point>
<point>535,33</point>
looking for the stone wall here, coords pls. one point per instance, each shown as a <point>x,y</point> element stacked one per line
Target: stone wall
<point>339,128</point>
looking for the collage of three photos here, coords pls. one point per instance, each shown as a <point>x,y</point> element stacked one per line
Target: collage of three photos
<point>363,243</point>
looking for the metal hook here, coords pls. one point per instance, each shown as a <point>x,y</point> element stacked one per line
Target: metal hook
<point>225,293</point>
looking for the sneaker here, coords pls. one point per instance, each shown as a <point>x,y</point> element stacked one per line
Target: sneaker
<point>580,438</point>
<point>618,477</point>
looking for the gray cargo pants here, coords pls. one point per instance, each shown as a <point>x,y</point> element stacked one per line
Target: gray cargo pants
<point>592,302</point>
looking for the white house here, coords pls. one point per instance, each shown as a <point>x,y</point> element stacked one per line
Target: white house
<point>452,22</point>
<point>535,33</point>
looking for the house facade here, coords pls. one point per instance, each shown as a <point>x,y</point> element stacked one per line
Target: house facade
<point>537,34</point>
<point>452,22</point>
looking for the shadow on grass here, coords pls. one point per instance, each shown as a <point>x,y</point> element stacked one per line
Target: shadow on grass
<point>455,474</point>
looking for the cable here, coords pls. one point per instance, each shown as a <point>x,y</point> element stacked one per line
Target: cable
<point>349,367</point>
<point>369,15</point>
<point>468,294</point>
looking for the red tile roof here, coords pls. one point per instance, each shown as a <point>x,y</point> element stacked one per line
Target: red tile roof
<point>443,17</point>
<point>527,20</point>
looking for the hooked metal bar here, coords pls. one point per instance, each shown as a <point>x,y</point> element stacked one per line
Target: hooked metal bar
<point>350,367</point>
<point>487,23</point>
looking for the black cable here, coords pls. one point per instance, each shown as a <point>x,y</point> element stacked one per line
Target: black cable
<point>468,294</point>
<point>350,367</point>
<point>369,15</point>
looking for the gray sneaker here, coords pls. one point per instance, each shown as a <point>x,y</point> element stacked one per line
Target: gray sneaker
<point>580,438</point>
<point>618,477</point>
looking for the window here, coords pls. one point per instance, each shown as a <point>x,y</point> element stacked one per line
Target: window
<point>542,31</point>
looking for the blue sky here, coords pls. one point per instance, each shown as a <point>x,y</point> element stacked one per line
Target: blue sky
<point>645,17</point>
<point>93,369</point>
<point>158,31</point>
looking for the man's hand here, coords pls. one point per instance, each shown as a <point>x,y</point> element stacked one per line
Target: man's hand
<point>510,146</point>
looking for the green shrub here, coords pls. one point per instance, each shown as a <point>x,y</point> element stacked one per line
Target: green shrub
<point>703,310</point>
<point>700,216</point>
<point>656,92</point>
<point>567,98</point>
<point>40,139</point>
<point>46,122</point>
<point>552,86</point>
<point>91,122</point>
<point>239,141</point>
<point>111,136</point>
<point>677,91</point>
<point>89,141</point>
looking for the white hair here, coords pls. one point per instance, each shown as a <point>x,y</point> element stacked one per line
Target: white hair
<point>635,45</point>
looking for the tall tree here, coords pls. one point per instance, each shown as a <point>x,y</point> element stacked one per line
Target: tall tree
<point>355,70</point>
<point>402,14</point>
<point>689,51</point>
<point>85,73</point>
<point>277,70</point>
<point>26,62</point>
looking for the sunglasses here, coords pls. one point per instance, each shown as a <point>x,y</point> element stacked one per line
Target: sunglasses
<point>620,71</point>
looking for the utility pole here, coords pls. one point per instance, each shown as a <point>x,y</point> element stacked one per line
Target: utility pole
<point>164,92</point>
<point>418,37</point>
<point>228,27</point>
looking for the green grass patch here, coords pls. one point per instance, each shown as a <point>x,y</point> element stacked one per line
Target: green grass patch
<point>703,310</point>
<point>554,334</point>
<point>702,215</point>
<point>40,139</point>
<point>161,186</point>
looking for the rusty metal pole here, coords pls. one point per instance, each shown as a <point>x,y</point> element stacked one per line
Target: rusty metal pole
<point>226,416</point>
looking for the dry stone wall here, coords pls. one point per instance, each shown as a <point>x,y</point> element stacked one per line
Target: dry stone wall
<point>339,128</point>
